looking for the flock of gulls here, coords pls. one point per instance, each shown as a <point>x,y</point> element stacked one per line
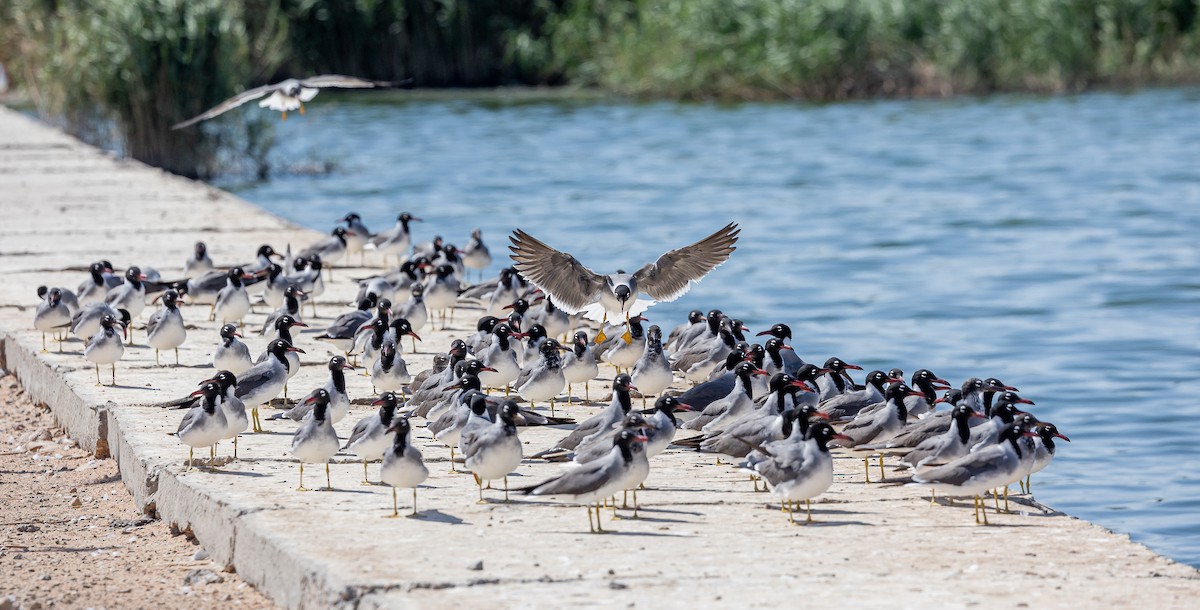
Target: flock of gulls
<point>549,324</point>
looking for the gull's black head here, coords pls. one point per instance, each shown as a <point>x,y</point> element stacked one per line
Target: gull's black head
<point>125,319</point>
<point>695,316</point>
<point>338,363</point>
<point>487,323</point>
<point>877,379</point>
<point>963,413</point>
<point>134,275</point>
<point>41,292</point>
<point>808,373</point>
<point>996,383</point>
<point>170,298</point>
<point>319,398</point>
<point>634,420</point>
<point>478,404</point>
<point>200,249</point>
<point>780,381</point>
<point>779,331</point>
<point>288,322</point>
<point>339,232</point>
<point>670,404</point>
<point>502,329</point>
<point>474,367</point>
<point>925,377</point>
<point>899,391</point>
<point>458,348</point>
<point>838,365</point>
<point>229,331</point>
<point>535,332</point>
<point>387,400</point>
<point>403,328</point>
<point>418,291</point>
<point>951,396</point>
<point>973,385</point>
<point>1049,432</point>
<point>509,410</point>
<point>622,292</point>
<point>406,218</point>
<point>581,338</point>
<point>266,251</point>
<point>107,321</point>
<point>351,217</point>
<point>444,271</point>
<point>623,382</point>
<point>279,348</point>
<point>550,346</point>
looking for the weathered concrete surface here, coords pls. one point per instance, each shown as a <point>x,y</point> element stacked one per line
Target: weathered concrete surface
<point>705,537</point>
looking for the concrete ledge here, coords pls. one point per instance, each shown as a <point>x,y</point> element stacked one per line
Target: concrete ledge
<point>704,539</point>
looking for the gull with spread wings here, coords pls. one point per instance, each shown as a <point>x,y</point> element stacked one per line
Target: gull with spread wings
<point>286,95</point>
<point>575,288</point>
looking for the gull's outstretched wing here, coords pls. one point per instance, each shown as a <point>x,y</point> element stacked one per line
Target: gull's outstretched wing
<point>675,272</point>
<point>571,285</point>
<point>341,82</point>
<point>227,105</point>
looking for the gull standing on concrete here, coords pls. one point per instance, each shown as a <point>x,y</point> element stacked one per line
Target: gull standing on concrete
<point>595,480</point>
<point>165,330</point>
<point>131,295</point>
<point>415,312</point>
<point>232,354</point>
<point>978,471</point>
<point>198,263</point>
<point>233,302</point>
<point>357,235</point>
<point>797,470</point>
<point>476,255</point>
<point>663,424</point>
<point>1044,450</point>
<point>491,452</point>
<point>601,422</point>
<point>441,292</point>
<point>265,380</point>
<point>576,288</point>
<point>544,379</point>
<point>500,356</point>
<point>579,364</point>
<point>105,347</point>
<point>285,96</point>
<point>733,406</point>
<point>204,424</point>
<point>402,464</point>
<point>94,288</point>
<point>395,241</point>
<point>52,316</point>
<point>86,321</point>
<point>369,439</point>
<point>652,372</point>
<point>625,352</point>
<point>315,441</point>
<point>390,372</point>
<point>339,400</point>
<point>234,409</point>
<point>331,249</point>
<point>951,445</point>
<point>341,333</point>
<point>880,425</point>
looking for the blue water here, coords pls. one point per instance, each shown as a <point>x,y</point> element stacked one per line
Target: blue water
<point>1051,242</point>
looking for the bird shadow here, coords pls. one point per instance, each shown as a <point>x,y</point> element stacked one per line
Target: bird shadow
<point>239,473</point>
<point>131,387</point>
<point>652,519</point>
<point>670,511</point>
<point>439,517</point>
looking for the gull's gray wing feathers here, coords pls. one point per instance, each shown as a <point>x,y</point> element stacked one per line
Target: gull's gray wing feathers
<point>673,273</point>
<point>227,105</point>
<point>572,286</point>
<point>341,82</point>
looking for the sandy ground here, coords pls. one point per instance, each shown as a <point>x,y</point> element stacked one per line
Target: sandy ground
<point>72,538</point>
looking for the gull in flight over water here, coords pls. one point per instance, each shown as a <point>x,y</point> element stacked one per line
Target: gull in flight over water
<point>287,95</point>
<point>575,288</point>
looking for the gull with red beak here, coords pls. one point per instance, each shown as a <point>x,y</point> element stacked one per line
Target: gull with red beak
<point>577,289</point>
<point>796,470</point>
<point>978,471</point>
<point>315,441</point>
<point>879,425</point>
<point>203,425</point>
<point>370,437</point>
<point>265,380</point>
<point>595,480</point>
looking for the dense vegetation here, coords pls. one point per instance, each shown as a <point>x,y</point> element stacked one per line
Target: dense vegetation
<point>140,65</point>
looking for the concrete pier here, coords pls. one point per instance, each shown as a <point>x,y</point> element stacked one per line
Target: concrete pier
<point>704,537</point>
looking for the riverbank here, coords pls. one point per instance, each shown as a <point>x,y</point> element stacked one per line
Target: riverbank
<point>704,535</point>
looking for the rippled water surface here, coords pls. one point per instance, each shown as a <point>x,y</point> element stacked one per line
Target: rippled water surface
<point>1054,243</point>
